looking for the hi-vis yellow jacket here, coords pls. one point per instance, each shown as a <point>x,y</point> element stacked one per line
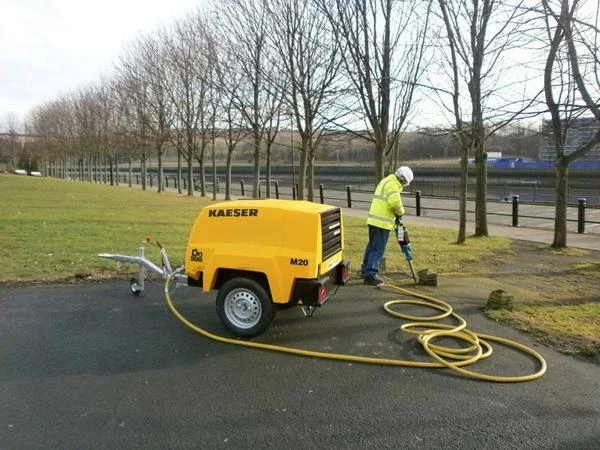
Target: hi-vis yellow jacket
<point>386,203</point>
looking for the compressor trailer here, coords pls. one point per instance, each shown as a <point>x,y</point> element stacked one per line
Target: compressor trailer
<point>260,255</point>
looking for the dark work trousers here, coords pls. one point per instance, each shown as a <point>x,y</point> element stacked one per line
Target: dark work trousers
<point>374,251</point>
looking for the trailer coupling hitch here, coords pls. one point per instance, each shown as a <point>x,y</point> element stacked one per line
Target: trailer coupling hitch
<point>136,285</point>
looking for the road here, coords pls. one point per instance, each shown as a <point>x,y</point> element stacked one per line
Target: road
<point>91,366</point>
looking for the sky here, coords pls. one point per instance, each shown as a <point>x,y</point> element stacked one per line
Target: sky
<point>53,47</point>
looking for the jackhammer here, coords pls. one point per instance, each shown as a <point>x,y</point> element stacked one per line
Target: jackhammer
<point>404,242</point>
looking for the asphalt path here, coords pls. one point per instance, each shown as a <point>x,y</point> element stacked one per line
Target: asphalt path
<point>91,366</point>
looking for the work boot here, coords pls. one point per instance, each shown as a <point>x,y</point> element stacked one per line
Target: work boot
<point>373,281</point>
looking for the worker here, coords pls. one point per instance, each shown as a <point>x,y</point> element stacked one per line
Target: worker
<point>385,213</point>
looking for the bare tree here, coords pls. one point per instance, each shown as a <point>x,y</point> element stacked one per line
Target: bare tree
<point>83,132</point>
<point>158,117</point>
<point>213,102</point>
<point>309,57</point>
<point>106,126</point>
<point>38,121</point>
<point>230,117</point>
<point>141,73</point>
<point>383,44</point>
<point>480,35</point>
<point>114,126</point>
<point>572,88</point>
<point>125,98</point>
<point>186,84</point>
<point>63,128</point>
<point>131,89</point>
<point>243,29</point>
<point>10,127</point>
<point>206,71</point>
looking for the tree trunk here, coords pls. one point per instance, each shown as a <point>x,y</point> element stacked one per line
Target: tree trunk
<point>560,213</point>
<point>202,175</point>
<point>310,173</point>
<point>111,170</point>
<point>462,196</point>
<point>228,175</point>
<point>379,161</point>
<point>159,155</point>
<point>190,172</point>
<point>129,171</point>
<point>214,165</point>
<point>256,187</point>
<point>144,170</point>
<point>302,168</point>
<point>190,163</point>
<point>268,170</point>
<point>179,171</point>
<point>481,227</point>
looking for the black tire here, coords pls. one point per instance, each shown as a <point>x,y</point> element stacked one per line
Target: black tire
<point>244,307</point>
<point>134,286</point>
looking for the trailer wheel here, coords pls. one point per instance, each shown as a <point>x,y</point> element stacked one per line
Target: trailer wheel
<point>244,307</point>
<point>134,286</point>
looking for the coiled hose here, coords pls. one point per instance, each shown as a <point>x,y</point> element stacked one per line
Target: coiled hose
<point>424,328</point>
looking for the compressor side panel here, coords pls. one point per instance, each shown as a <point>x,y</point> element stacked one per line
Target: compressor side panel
<point>236,233</point>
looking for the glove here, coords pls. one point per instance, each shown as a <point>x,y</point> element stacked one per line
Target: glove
<point>399,221</point>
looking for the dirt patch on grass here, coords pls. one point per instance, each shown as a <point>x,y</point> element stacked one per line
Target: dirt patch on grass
<point>556,294</point>
<point>565,276</point>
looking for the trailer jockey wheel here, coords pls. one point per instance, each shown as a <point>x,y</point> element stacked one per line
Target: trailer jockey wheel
<point>244,307</point>
<point>134,286</point>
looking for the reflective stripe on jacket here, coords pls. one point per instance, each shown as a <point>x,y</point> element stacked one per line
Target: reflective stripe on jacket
<point>386,203</point>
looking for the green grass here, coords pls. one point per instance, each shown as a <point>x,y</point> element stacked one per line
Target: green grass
<point>434,248</point>
<point>53,229</point>
<point>570,328</point>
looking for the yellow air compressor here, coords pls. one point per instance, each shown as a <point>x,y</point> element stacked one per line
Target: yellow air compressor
<point>264,253</point>
<point>260,255</point>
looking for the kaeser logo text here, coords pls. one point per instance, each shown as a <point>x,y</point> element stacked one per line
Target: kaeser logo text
<point>233,212</point>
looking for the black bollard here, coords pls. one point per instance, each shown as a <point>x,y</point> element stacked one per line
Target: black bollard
<point>349,195</point>
<point>581,215</point>
<point>515,211</point>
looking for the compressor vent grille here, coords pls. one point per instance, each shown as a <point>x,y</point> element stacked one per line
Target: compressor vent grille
<point>331,232</point>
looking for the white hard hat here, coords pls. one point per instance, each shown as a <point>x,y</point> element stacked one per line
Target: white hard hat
<point>404,173</point>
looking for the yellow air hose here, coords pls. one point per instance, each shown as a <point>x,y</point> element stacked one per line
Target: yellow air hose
<point>427,333</point>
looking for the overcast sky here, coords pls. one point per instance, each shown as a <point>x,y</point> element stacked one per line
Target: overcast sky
<point>49,47</point>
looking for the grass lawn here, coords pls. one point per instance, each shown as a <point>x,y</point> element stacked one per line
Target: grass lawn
<point>54,229</point>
